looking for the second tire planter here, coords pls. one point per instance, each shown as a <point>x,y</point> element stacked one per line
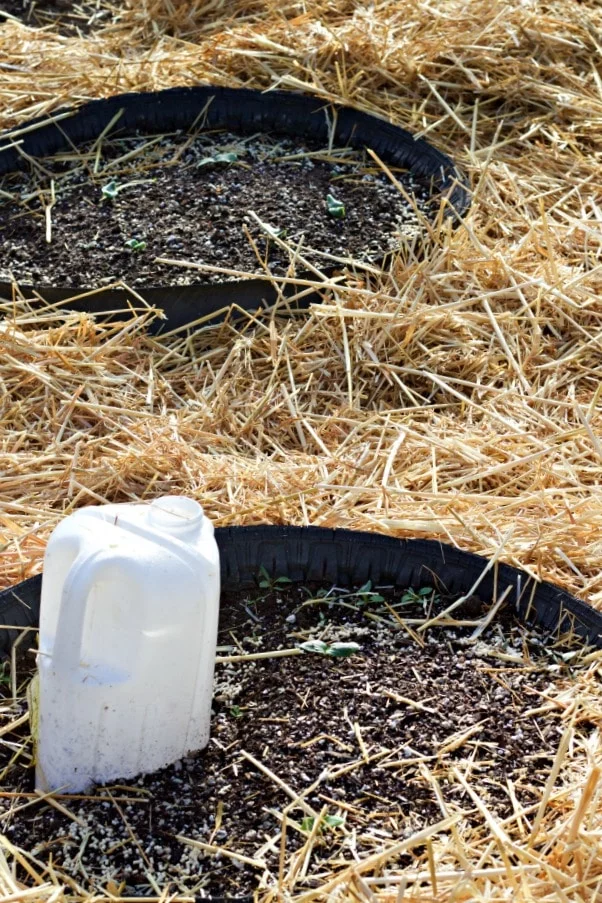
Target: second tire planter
<point>329,703</point>
<point>238,183</point>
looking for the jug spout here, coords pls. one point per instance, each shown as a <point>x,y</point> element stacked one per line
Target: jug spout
<point>124,588</point>
<point>176,515</point>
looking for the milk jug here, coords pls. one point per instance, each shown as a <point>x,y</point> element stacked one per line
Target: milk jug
<point>128,633</point>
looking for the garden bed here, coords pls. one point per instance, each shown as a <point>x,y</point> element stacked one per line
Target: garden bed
<point>370,738</point>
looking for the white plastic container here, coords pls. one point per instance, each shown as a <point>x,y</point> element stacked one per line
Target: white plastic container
<point>128,633</point>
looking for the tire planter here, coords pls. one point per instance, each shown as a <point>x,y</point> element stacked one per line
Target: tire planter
<point>345,558</point>
<point>350,558</point>
<point>241,111</point>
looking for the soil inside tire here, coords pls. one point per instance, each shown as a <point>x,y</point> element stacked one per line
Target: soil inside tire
<point>250,205</point>
<point>360,728</point>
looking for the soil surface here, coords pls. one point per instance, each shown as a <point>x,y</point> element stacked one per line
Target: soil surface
<point>66,16</point>
<point>361,729</point>
<point>251,205</point>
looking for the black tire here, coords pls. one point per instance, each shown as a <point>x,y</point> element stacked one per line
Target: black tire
<point>350,558</point>
<point>241,110</point>
<point>19,608</point>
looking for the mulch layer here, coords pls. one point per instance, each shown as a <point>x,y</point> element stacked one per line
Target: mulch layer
<point>368,731</point>
<point>247,204</point>
<point>67,17</point>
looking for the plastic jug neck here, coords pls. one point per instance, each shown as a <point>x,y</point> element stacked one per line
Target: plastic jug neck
<point>177,515</point>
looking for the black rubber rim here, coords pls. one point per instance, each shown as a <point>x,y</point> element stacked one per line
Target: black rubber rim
<point>350,558</point>
<point>243,111</point>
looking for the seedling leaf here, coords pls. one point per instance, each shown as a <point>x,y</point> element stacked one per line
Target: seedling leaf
<point>226,157</point>
<point>334,207</point>
<point>267,582</point>
<point>110,190</point>
<point>331,821</point>
<point>135,244</point>
<point>342,650</point>
<point>318,646</point>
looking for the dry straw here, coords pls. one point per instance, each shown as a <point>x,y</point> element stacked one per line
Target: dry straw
<point>455,397</point>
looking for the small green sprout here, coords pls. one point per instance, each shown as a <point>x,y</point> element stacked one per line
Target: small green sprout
<point>135,244</point>
<point>227,157</point>
<point>334,207</point>
<point>330,821</point>
<point>420,595</point>
<point>110,190</point>
<point>334,650</point>
<point>267,582</point>
<point>365,594</point>
<point>236,711</point>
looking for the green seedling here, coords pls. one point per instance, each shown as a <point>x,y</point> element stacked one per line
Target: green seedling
<point>420,595</point>
<point>267,582</point>
<point>236,711</point>
<point>134,244</point>
<point>328,821</point>
<point>365,594</point>
<point>426,597</point>
<point>227,157</point>
<point>110,190</point>
<point>334,650</point>
<point>334,207</point>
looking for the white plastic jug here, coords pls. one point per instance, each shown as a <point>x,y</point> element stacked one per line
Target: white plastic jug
<point>128,633</point>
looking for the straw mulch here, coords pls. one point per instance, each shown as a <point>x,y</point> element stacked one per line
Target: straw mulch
<point>456,397</point>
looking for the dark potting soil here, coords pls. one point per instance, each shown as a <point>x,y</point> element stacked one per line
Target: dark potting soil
<point>67,16</point>
<point>252,205</point>
<point>360,729</point>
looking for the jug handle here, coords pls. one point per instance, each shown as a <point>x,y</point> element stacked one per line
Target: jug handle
<point>85,571</point>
